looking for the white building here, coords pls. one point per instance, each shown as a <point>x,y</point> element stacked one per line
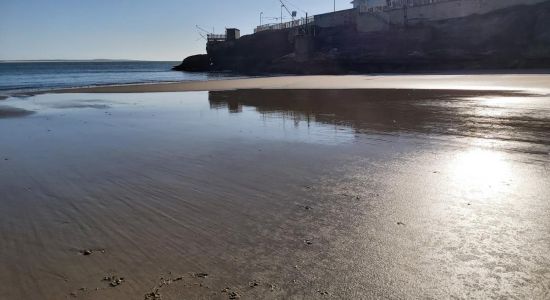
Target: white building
<point>369,3</point>
<point>380,5</point>
<point>376,15</point>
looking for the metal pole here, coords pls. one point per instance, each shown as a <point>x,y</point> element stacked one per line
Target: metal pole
<point>281,16</point>
<point>307,29</point>
<point>334,5</point>
<point>261,18</point>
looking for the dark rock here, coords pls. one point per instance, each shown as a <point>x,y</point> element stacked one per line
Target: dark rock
<point>195,63</point>
<point>113,280</point>
<point>323,293</point>
<point>152,296</point>
<point>116,282</point>
<point>87,252</point>
<point>200,275</point>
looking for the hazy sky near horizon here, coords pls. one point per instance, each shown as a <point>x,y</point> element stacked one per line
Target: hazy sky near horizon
<point>128,29</point>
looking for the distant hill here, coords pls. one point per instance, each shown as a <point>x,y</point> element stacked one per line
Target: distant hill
<point>71,60</point>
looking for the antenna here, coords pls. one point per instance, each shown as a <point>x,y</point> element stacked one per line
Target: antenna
<point>295,6</point>
<point>202,36</point>
<point>203,30</point>
<point>292,14</point>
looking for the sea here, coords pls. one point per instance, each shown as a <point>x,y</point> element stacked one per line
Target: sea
<point>28,77</point>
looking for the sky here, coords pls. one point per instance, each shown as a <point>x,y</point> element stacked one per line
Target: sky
<point>129,29</point>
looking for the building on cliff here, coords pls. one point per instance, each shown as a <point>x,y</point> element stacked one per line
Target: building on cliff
<point>377,15</point>
<point>369,3</point>
<point>231,34</point>
<point>473,6</point>
<point>392,35</point>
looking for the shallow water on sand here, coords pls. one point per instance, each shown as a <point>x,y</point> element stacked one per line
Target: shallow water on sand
<point>275,194</point>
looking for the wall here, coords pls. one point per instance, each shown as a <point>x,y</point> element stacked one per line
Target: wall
<point>510,38</point>
<point>251,51</point>
<point>339,18</point>
<point>453,9</point>
<point>369,3</point>
<point>304,46</point>
<point>437,11</point>
<point>372,22</point>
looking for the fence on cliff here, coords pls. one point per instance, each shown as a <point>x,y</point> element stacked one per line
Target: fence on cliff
<point>212,37</point>
<point>286,25</point>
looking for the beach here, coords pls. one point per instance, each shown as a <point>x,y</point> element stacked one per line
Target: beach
<point>517,82</point>
<point>291,187</point>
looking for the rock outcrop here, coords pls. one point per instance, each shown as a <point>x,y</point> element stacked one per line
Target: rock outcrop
<point>195,63</point>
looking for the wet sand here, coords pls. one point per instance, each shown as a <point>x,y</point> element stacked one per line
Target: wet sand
<point>277,194</point>
<point>13,112</point>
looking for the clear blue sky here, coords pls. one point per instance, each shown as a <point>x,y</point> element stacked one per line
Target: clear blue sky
<point>127,29</point>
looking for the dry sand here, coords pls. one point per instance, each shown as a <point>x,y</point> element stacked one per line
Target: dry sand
<point>279,194</point>
<point>520,82</point>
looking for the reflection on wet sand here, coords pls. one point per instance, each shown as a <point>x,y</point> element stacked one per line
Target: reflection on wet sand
<point>260,194</point>
<point>493,115</point>
<point>13,112</point>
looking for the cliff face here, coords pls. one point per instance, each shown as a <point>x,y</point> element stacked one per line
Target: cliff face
<point>251,52</point>
<point>517,37</point>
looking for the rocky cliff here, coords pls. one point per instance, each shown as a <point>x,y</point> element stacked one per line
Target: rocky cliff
<point>513,38</point>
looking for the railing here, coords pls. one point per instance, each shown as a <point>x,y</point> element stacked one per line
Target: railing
<point>216,37</point>
<point>286,25</point>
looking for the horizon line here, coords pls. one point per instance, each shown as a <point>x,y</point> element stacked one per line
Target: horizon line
<point>84,60</point>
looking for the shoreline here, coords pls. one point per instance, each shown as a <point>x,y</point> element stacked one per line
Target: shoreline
<point>532,83</point>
